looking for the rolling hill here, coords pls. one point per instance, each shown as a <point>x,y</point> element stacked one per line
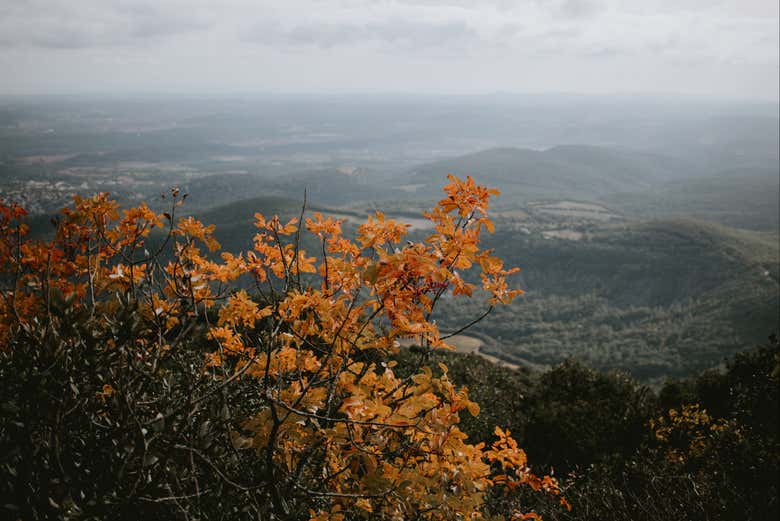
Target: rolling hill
<point>744,198</point>
<point>560,172</point>
<point>327,186</point>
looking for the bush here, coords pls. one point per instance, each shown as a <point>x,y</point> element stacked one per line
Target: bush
<point>151,384</point>
<point>579,416</point>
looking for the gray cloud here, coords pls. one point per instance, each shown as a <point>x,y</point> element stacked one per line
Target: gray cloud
<point>397,33</point>
<point>89,23</point>
<point>580,9</point>
<point>727,46</point>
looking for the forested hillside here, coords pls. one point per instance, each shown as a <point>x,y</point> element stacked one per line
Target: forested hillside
<point>659,298</point>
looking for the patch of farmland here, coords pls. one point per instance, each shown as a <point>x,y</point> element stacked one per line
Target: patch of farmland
<point>575,210</point>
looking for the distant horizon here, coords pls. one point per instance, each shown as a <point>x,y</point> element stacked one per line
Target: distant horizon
<point>399,94</point>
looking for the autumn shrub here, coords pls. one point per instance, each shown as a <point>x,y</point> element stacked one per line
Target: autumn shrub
<point>147,376</point>
<point>504,391</point>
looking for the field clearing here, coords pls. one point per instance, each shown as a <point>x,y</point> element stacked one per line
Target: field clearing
<point>512,214</point>
<point>571,205</point>
<point>570,235</point>
<point>467,345</point>
<point>572,209</point>
<point>463,343</point>
<point>32,160</point>
<point>415,223</point>
<point>411,188</point>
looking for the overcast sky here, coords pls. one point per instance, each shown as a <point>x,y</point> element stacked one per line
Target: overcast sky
<point>715,48</point>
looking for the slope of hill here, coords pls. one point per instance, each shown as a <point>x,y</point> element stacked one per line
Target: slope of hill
<point>659,298</point>
<point>331,186</point>
<point>559,172</point>
<point>744,198</point>
<point>217,190</point>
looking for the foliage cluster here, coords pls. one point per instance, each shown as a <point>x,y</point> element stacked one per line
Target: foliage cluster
<point>140,381</point>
